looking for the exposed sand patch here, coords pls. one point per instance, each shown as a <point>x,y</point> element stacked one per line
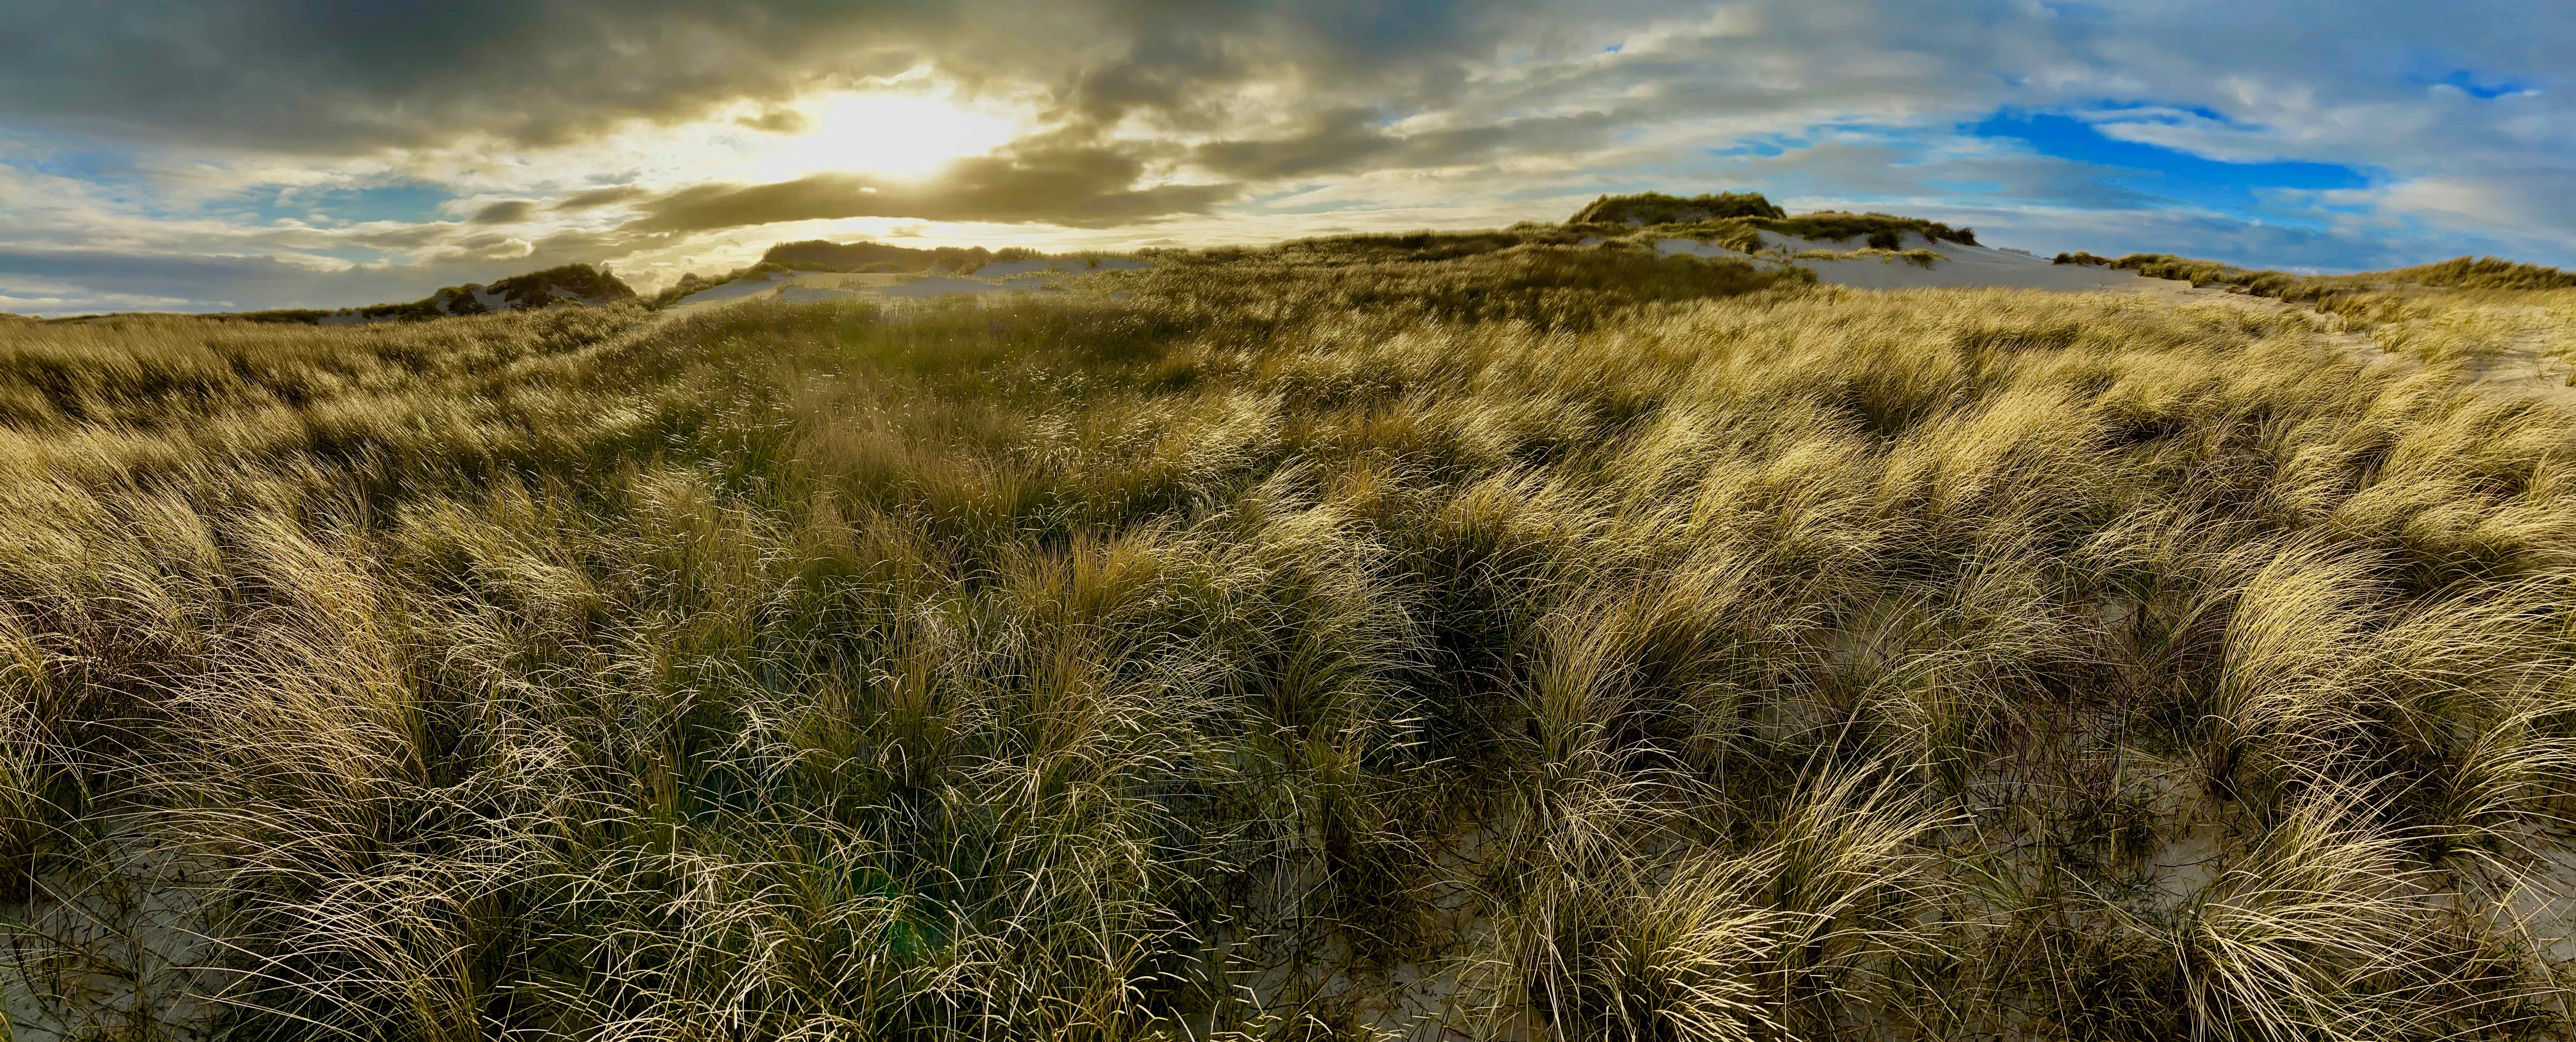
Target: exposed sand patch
<point>1964,266</point>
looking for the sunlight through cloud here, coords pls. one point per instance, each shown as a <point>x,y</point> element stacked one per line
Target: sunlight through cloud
<point>895,135</point>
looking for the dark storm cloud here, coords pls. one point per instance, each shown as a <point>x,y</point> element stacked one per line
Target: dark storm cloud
<point>350,76</point>
<point>1082,187</point>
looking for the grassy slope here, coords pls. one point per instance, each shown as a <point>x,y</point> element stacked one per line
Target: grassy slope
<point>1538,642</point>
<point>2467,273</point>
<point>2475,310</point>
<point>1734,216</point>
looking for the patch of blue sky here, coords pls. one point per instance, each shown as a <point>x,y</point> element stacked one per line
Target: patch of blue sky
<point>2477,86</point>
<point>95,166</point>
<point>103,173</point>
<point>408,201</point>
<point>2166,173</point>
<point>2080,13</point>
<point>2434,68</point>
<point>117,174</point>
<point>1774,145</point>
<point>1763,145</point>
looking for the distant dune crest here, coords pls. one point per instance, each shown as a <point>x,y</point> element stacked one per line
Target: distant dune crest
<point>569,285</point>
<point>1858,250</point>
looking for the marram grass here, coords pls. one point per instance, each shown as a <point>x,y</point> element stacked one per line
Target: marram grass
<point>1534,645</point>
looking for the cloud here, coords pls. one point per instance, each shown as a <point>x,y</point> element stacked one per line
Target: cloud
<point>1349,140</point>
<point>354,76</point>
<point>1080,187</point>
<point>88,280</point>
<point>510,212</point>
<point>599,197</point>
<point>776,121</point>
<point>2495,198</point>
<point>423,143</point>
<point>405,237</point>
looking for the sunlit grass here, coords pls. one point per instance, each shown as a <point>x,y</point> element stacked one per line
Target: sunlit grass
<point>1331,641</point>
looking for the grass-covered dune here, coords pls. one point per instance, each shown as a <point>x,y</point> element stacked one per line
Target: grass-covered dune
<point>2466,273</point>
<point>1537,643</point>
<point>1733,218</point>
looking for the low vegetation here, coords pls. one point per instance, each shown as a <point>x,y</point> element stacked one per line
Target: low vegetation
<point>2460,273</point>
<point>2484,273</point>
<point>1882,231</point>
<point>1734,220</point>
<point>2277,284</point>
<point>1384,637</point>
<point>578,284</point>
<point>862,257</point>
<point>1657,208</point>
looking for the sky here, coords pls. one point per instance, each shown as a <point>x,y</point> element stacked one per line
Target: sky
<point>242,154</point>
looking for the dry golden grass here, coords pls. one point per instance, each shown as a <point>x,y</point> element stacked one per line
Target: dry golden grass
<point>1324,643</point>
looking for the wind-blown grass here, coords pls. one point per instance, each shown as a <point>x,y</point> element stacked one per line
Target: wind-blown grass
<point>1539,642</point>
<point>2487,273</point>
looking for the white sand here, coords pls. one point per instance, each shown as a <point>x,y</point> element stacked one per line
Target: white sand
<point>1962,266</point>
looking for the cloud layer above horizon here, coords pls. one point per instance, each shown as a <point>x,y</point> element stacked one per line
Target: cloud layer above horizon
<point>264,153</point>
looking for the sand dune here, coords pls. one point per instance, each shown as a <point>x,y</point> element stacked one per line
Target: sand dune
<point>1030,275</point>
<point>1960,266</point>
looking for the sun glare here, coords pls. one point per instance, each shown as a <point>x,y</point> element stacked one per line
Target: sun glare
<point>895,135</point>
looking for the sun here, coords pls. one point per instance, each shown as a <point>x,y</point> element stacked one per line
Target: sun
<point>897,135</point>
